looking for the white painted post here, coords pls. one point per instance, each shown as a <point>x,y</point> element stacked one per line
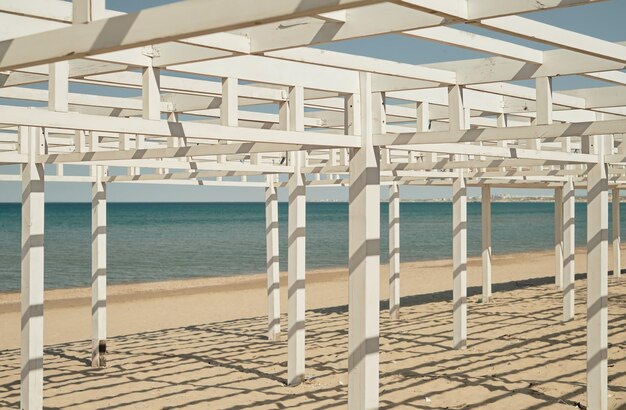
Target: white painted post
<point>569,249</point>
<point>597,281</point>
<point>486,239</point>
<point>229,109</point>
<point>617,257</point>
<point>273,262</point>
<point>80,141</point>
<point>31,387</point>
<point>458,119</point>
<point>296,248</point>
<point>58,83</point>
<point>151,95</point>
<point>459,261</point>
<point>394,251</point>
<point>364,257</point>
<point>98,269</point>
<point>543,86</point>
<point>58,93</point>
<point>456,110</point>
<point>422,124</point>
<point>151,102</point>
<point>84,11</point>
<point>558,237</point>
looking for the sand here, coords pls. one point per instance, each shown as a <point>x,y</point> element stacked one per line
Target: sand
<point>201,343</point>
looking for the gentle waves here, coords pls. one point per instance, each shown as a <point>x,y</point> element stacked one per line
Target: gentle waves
<point>159,241</point>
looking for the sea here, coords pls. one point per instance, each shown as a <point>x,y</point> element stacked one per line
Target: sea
<point>168,241</point>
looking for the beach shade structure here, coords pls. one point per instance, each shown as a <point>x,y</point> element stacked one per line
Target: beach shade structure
<point>248,94</point>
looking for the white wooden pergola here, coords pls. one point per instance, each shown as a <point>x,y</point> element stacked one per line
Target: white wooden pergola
<point>204,69</point>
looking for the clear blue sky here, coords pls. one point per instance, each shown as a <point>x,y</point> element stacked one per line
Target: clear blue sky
<point>603,19</point>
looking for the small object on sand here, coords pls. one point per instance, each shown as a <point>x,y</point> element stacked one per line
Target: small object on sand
<point>428,400</point>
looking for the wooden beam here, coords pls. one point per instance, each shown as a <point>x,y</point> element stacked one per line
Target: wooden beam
<point>55,10</point>
<point>460,38</point>
<point>375,19</point>
<point>161,128</point>
<point>372,65</point>
<point>173,152</point>
<point>155,25</point>
<point>509,133</point>
<point>556,36</point>
<point>478,9</point>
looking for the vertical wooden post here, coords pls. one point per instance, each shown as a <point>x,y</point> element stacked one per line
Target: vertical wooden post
<point>58,86</point>
<point>457,116</point>
<point>84,11</point>
<point>558,237</point>
<point>456,110</point>
<point>151,102</point>
<point>422,124</point>
<point>486,240</point>
<point>151,94</point>
<point>543,86</point>
<point>364,257</point>
<point>617,256</point>
<point>394,251</point>
<point>459,261</point>
<point>98,269</point>
<point>229,109</point>
<point>597,281</point>
<point>569,249</point>
<point>31,388</point>
<point>296,248</point>
<point>273,262</point>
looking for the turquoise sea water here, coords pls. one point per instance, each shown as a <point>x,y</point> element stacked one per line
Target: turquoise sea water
<point>158,241</point>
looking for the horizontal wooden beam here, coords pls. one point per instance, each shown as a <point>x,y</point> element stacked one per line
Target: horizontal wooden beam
<point>559,130</point>
<point>170,22</point>
<point>174,152</point>
<point>548,34</point>
<point>160,128</point>
<point>360,63</point>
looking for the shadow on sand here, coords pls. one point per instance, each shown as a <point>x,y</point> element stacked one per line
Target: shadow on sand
<point>520,356</point>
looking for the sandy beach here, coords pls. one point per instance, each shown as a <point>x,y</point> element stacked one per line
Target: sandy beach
<point>202,343</point>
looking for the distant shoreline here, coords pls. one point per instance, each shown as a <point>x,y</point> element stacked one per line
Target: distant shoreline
<point>174,284</point>
<point>147,306</point>
<point>383,200</point>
